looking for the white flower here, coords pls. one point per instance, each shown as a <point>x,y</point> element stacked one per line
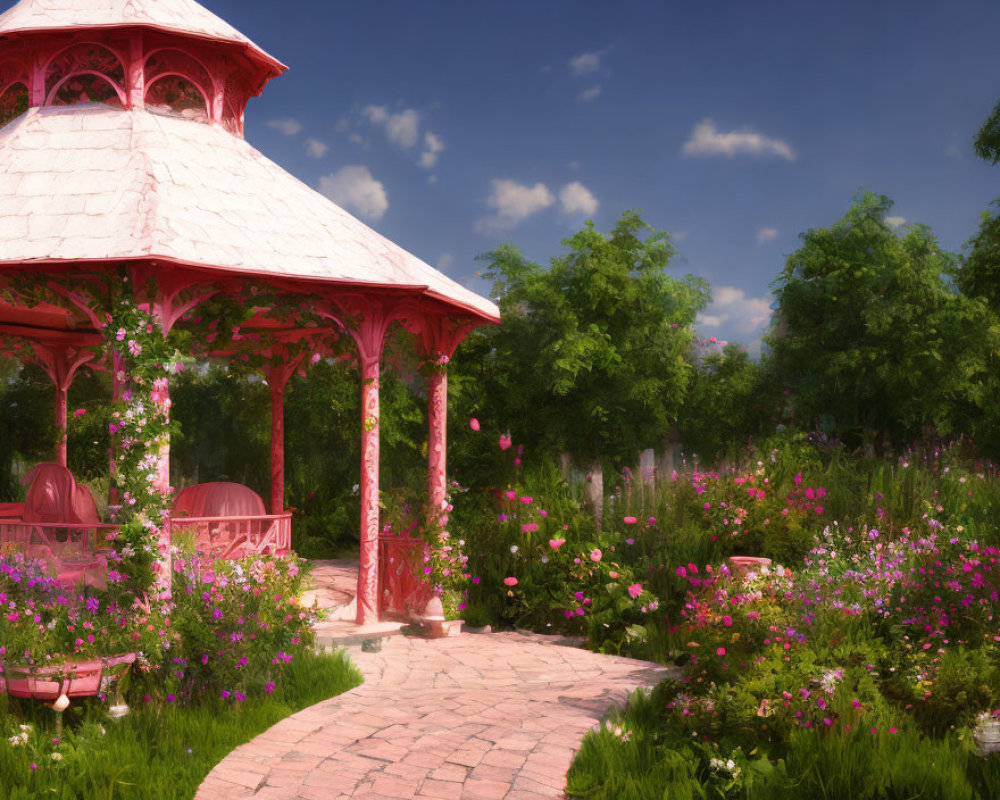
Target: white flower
<point>513,548</point>
<point>57,756</point>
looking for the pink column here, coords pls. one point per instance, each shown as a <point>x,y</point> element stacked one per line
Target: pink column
<point>437,446</point>
<point>368,570</point>
<point>60,416</point>
<point>277,446</point>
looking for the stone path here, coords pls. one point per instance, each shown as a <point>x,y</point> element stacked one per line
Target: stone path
<point>474,717</point>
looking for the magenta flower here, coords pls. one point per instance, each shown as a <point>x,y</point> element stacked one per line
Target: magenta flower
<point>474,424</point>
<point>635,590</point>
<point>529,527</point>
<point>720,652</point>
<point>555,544</point>
<point>630,520</point>
<point>79,412</point>
<point>510,581</point>
<point>505,441</point>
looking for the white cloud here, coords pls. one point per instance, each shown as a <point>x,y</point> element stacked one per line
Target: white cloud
<point>734,312</point>
<point>316,148</point>
<point>432,149</point>
<point>767,235</point>
<point>403,128</point>
<point>354,189</point>
<point>514,202</point>
<point>446,260</point>
<point>590,94</point>
<point>289,127</point>
<point>585,63</point>
<point>895,222</point>
<point>706,140</point>
<point>358,139</point>
<point>342,125</point>
<point>376,115</point>
<point>575,198</point>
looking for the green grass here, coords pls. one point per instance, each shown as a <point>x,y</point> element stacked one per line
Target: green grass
<point>156,752</point>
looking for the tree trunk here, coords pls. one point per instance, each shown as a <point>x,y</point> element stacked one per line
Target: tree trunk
<point>565,463</point>
<point>595,492</point>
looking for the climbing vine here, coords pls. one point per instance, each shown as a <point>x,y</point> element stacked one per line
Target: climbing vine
<point>140,426</point>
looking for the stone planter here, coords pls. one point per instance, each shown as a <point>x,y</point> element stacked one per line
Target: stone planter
<point>741,566</point>
<point>987,735</point>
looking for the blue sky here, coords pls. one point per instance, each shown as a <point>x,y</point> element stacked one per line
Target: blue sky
<point>453,127</point>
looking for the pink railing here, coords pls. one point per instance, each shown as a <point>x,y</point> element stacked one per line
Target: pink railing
<point>72,551</point>
<point>403,592</point>
<point>75,552</point>
<point>235,537</point>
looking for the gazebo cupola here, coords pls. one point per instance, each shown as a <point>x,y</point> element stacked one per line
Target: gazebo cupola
<point>167,57</point>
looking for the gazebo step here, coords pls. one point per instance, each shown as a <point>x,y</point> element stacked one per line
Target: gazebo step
<point>343,633</point>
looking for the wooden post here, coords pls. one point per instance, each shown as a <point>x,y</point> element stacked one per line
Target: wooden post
<point>277,446</point>
<point>60,417</point>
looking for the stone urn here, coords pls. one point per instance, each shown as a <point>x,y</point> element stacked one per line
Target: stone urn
<point>434,623</point>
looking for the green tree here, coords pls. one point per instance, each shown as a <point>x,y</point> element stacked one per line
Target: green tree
<point>870,334</point>
<point>978,278</point>
<point>987,141</point>
<point>591,355</point>
<point>729,403</point>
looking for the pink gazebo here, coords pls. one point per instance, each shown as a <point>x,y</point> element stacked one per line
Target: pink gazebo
<point>122,157</point>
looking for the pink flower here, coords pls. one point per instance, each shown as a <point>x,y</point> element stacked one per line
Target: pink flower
<point>161,392</point>
<point>474,424</point>
<point>505,441</point>
<point>635,590</point>
<point>819,510</point>
<point>630,520</point>
<point>526,500</point>
<point>721,651</point>
<point>529,527</point>
<point>798,478</point>
<point>555,544</point>
<point>79,412</point>
<point>510,581</point>
<point>595,555</point>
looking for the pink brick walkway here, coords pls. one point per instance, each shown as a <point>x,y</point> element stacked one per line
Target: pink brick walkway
<point>468,718</point>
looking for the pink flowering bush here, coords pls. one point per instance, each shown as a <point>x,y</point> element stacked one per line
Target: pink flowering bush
<point>228,630</point>
<point>43,623</point>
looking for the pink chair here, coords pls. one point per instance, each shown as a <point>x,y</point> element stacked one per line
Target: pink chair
<point>228,520</point>
<point>54,523</point>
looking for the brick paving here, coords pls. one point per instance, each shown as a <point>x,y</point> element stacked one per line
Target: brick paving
<point>473,717</point>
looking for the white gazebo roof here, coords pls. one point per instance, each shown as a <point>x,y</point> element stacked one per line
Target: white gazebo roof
<point>93,183</point>
<point>174,16</point>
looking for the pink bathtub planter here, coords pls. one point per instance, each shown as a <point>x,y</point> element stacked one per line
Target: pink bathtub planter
<point>52,683</point>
